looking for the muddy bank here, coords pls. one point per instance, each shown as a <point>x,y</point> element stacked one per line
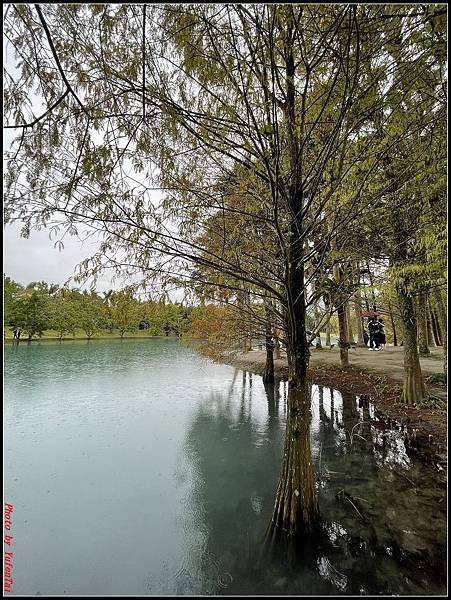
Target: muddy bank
<point>424,429</point>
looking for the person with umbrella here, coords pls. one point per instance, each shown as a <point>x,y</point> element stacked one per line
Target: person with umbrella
<point>373,330</point>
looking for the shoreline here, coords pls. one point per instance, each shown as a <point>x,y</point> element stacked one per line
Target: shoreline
<point>425,429</point>
<point>92,339</point>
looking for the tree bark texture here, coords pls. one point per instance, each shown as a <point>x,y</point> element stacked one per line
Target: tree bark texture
<point>422,324</point>
<point>443,322</point>
<point>414,390</point>
<point>328,333</point>
<point>343,333</point>
<point>430,335</point>
<point>268,375</point>
<point>435,327</point>
<point>358,316</point>
<point>341,314</point>
<point>296,507</point>
<point>348,322</point>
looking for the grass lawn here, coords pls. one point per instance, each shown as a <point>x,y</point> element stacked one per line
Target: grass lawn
<point>50,334</point>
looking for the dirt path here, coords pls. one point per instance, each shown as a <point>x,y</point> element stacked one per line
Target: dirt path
<point>388,361</point>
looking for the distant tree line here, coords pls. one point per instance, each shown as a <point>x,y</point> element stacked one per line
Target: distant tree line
<point>40,307</point>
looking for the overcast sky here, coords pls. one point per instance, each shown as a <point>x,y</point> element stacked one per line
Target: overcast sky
<point>36,258</point>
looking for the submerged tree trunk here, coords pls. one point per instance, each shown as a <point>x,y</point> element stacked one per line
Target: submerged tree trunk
<point>422,324</point>
<point>442,318</point>
<point>296,508</point>
<point>414,390</point>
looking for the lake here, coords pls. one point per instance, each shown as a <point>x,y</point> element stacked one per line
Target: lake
<point>140,467</point>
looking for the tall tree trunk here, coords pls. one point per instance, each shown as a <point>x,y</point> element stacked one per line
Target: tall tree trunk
<point>370,277</point>
<point>443,320</point>
<point>296,506</point>
<point>348,322</point>
<point>435,328</point>
<point>358,316</point>
<point>268,375</point>
<point>358,306</point>
<point>393,326</point>
<point>343,333</point>
<point>414,390</point>
<point>422,324</point>
<point>430,336</point>
<point>328,304</point>
<point>328,333</point>
<point>340,302</point>
<point>318,343</point>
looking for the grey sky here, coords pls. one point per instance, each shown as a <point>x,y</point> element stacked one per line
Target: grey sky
<point>36,259</point>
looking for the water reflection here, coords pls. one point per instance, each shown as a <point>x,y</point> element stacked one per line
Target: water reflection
<point>371,494</point>
<point>171,464</point>
<point>235,447</point>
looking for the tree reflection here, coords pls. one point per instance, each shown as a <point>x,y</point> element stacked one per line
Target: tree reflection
<point>236,451</point>
<point>235,443</point>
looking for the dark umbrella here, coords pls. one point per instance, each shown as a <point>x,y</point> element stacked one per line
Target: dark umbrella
<point>370,313</point>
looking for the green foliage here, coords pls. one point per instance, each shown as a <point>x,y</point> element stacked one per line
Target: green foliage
<point>11,291</point>
<point>261,125</point>
<point>30,313</point>
<point>67,310</point>
<point>88,307</point>
<point>436,378</point>
<point>124,311</point>
<point>63,315</point>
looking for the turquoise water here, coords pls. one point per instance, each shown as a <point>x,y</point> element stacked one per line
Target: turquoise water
<point>139,467</point>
